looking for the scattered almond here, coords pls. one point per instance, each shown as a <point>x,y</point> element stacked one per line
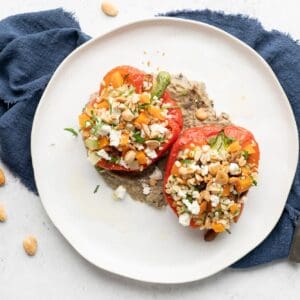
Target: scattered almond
<point>2,177</point>
<point>201,114</point>
<point>152,182</point>
<point>3,215</point>
<point>30,245</point>
<point>109,9</point>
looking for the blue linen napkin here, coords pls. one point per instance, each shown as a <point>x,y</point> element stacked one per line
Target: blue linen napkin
<point>33,45</point>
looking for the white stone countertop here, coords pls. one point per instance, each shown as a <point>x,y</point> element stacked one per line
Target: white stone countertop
<point>57,271</point>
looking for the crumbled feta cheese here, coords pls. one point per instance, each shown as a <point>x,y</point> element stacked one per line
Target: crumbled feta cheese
<point>205,148</point>
<point>88,124</point>
<point>177,164</point>
<point>181,193</point>
<point>205,157</point>
<point>146,188</point>
<point>214,200</point>
<point>114,137</point>
<point>123,163</point>
<point>120,192</point>
<point>234,169</point>
<point>103,154</point>
<point>193,207</point>
<point>204,170</point>
<point>135,98</point>
<point>150,153</point>
<point>139,146</point>
<point>157,129</point>
<point>157,174</point>
<point>185,219</point>
<point>195,194</point>
<point>105,130</point>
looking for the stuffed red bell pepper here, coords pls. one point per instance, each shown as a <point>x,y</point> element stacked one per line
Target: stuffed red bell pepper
<point>131,122</point>
<point>209,172</point>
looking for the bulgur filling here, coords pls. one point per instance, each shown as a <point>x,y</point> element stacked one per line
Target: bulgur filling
<point>209,183</point>
<point>127,128</point>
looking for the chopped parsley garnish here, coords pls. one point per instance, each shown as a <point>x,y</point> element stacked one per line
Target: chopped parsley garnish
<point>254,181</point>
<point>71,130</point>
<point>142,106</point>
<point>99,169</point>
<point>115,160</point>
<point>96,189</point>
<point>190,198</point>
<point>138,138</point>
<point>245,153</point>
<point>159,139</point>
<point>187,161</point>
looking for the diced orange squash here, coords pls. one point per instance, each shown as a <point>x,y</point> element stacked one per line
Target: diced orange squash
<point>124,139</point>
<point>144,98</point>
<point>175,171</point>
<point>142,119</point>
<point>155,112</point>
<point>226,190</point>
<point>141,157</point>
<point>103,142</point>
<point>234,208</point>
<point>103,104</point>
<point>115,79</point>
<point>203,206</point>
<point>82,120</point>
<point>243,185</point>
<point>234,147</point>
<point>249,148</point>
<point>217,227</point>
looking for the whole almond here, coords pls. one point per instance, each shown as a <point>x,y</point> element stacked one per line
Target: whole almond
<point>3,215</point>
<point>2,177</point>
<point>30,245</point>
<point>109,9</point>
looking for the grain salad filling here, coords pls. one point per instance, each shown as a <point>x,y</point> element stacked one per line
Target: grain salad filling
<point>208,183</point>
<point>126,127</point>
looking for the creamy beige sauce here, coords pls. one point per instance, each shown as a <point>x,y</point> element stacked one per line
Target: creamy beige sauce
<point>190,96</point>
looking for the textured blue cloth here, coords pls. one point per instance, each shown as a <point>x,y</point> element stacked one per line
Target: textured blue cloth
<point>32,46</point>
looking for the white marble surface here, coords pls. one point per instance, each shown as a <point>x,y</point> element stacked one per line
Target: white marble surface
<point>57,271</point>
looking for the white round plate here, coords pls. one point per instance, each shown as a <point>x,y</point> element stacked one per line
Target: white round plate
<point>128,237</point>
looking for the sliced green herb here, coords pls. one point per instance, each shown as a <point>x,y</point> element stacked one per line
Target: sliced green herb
<point>220,142</point>
<point>245,153</point>
<point>73,131</point>
<point>138,138</point>
<point>99,169</point>
<point>96,189</point>
<point>187,161</point>
<point>115,160</point>
<point>159,139</point>
<point>228,231</point>
<point>190,198</point>
<point>143,106</point>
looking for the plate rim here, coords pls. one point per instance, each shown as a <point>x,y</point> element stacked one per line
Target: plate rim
<point>141,23</point>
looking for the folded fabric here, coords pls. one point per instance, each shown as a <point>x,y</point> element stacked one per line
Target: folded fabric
<point>33,45</point>
<point>283,55</point>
